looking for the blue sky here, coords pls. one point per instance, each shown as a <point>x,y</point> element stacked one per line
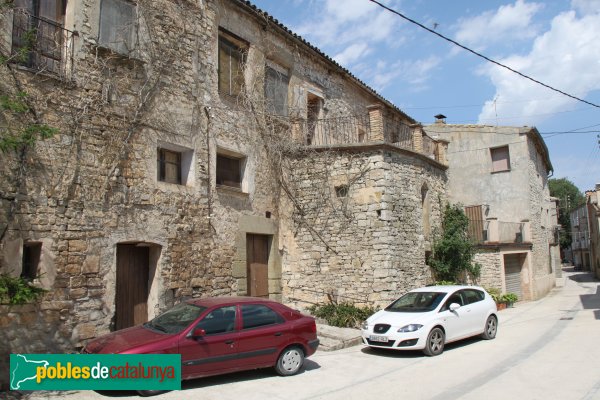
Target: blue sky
<point>556,42</point>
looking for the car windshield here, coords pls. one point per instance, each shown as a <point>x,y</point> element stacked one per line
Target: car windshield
<point>416,302</point>
<point>176,319</point>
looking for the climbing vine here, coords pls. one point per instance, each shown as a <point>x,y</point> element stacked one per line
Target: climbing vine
<point>453,250</point>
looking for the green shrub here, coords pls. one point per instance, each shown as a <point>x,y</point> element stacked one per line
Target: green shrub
<point>343,315</point>
<point>17,290</point>
<point>509,298</point>
<point>495,293</point>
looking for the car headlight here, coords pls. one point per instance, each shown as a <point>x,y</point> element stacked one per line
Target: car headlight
<point>364,326</point>
<point>410,328</point>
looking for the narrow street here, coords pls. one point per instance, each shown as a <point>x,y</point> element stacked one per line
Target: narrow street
<point>546,349</point>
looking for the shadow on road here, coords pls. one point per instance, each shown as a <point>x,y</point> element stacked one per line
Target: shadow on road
<point>588,301</point>
<point>256,374</point>
<point>417,353</point>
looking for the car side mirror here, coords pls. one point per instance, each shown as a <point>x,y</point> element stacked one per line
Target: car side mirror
<point>454,306</point>
<point>198,332</point>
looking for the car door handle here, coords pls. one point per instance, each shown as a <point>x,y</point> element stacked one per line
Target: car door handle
<point>279,334</point>
<point>229,342</point>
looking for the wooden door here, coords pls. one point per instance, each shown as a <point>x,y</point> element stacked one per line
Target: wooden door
<point>257,256</point>
<point>132,285</point>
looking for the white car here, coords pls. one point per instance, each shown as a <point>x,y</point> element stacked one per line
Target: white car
<point>428,318</point>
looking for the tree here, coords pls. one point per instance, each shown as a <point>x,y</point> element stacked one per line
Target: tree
<point>453,252</point>
<point>570,198</point>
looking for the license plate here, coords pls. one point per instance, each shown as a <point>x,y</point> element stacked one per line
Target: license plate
<point>375,338</point>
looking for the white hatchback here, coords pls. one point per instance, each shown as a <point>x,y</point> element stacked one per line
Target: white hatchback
<point>428,318</point>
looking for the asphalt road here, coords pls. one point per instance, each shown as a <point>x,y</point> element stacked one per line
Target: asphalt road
<point>545,349</point>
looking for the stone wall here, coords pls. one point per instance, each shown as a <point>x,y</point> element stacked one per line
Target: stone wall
<point>491,268</point>
<point>365,246</point>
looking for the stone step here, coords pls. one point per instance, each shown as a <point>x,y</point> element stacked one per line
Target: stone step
<point>333,338</point>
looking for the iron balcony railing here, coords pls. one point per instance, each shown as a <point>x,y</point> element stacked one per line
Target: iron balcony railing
<point>42,44</point>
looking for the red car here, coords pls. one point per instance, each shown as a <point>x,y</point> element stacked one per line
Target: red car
<point>221,335</point>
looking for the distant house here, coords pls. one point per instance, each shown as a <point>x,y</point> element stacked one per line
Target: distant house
<point>585,232</point>
<point>500,175</point>
<point>580,237</point>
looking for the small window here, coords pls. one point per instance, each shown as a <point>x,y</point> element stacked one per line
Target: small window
<point>32,253</point>
<point>221,320</point>
<point>257,315</point>
<point>341,191</point>
<point>500,159</point>
<point>117,25</point>
<point>169,166</point>
<point>276,89</point>
<point>232,56</point>
<point>229,171</point>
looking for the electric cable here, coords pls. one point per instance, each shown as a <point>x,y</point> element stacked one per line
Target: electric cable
<point>481,55</point>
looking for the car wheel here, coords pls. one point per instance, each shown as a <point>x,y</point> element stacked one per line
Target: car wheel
<point>435,342</point>
<point>146,393</point>
<point>290,361</point>
<point>491,327</point>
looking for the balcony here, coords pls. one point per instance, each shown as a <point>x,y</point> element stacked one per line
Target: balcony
<point>42,45</point>
<point>370,128</point>
<point>492,231</point>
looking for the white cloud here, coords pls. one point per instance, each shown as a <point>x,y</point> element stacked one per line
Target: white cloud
<point>508,22</point>
<point>585,7</point>
<point>566,57</point>
<point>352,53</point>
<point>350,27</point>
<point>414,73</point>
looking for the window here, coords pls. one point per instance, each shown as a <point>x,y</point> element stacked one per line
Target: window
<point>221,320</point>
<point>341,191</point>
<point>454,298</point>
<point>500,159</point>
<point>38,28</point>
<point>232,56</point>
<point>256,315</point>
<point>117,25</point>
<point>473,296</point>
<point>229,170</point>
<point>276,89</point>
<point>169,166</point>
<point>31,259</point>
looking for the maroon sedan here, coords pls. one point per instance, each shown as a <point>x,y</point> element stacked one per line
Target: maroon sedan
<point>220,335</point>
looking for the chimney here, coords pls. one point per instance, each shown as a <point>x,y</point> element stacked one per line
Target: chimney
<point>440,119</point>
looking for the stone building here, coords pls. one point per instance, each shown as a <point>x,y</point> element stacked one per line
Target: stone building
<point>585,226</point>
<point>500,175</point>
<point>592,197</point>
<point>200,149</point>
